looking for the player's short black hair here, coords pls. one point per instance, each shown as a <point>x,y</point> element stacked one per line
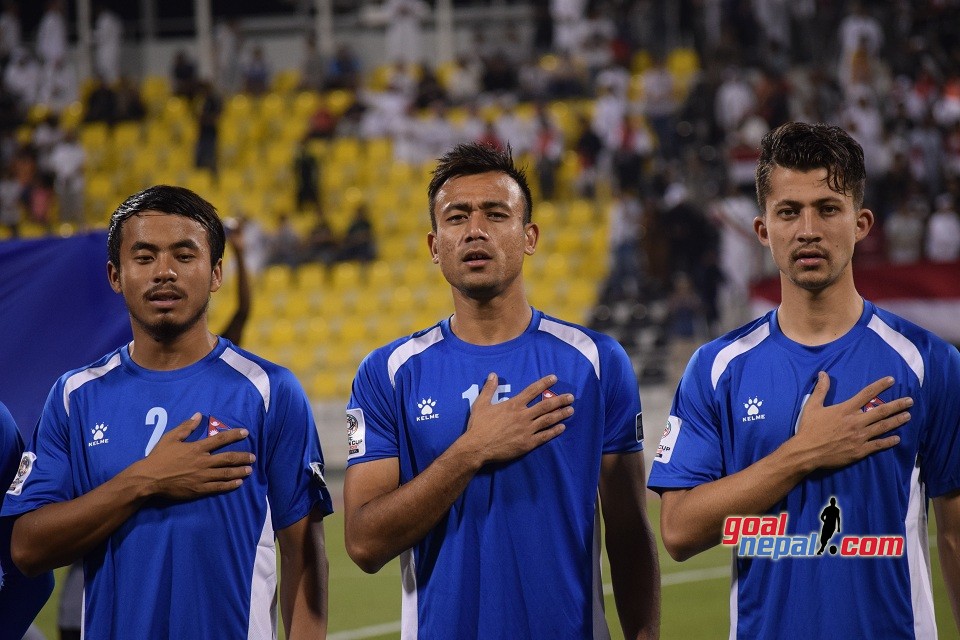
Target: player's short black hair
<point>805,147</point>
<point>175,201</point>
<point>471,159</point>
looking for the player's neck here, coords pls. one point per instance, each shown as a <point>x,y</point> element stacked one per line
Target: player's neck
<point>167,355</point>
<point>813,318</point>
<point>493,321</point>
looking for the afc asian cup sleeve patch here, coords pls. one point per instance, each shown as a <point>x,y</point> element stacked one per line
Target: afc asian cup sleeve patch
<point>23,472</point>
<point>669,440</point>
<point>639,426</point>
<point>356,434</point>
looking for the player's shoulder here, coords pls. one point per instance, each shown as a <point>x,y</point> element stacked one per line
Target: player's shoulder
<point>254,367</point>
<point>714,357</point>
<point>888,324</point>
<point>389,358</point>
<point>596,346</point>
<point>98,369</point>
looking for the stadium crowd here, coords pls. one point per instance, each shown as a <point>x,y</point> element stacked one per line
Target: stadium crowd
<point>677,98</point>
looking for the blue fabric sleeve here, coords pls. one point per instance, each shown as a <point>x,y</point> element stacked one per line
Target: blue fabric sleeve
<point>295,467</point>
<point>372,422</point>
<point>940,442</point>
<point>623,429</point>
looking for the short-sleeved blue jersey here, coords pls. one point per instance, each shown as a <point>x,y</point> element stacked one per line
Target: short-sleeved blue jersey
<point>202,568</point>
<point>21,598</point>
<point>740,399</point>
<point>517,556</point>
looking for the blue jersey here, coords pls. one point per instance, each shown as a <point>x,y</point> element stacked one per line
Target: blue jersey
<point>202,568</point>
<point>517,555</point>
<point>21,598</point>
<point>741,398</point>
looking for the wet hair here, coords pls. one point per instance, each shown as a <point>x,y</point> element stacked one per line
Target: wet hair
<point>174,201</point>
<point>471,159</point>
<point>805,147</point>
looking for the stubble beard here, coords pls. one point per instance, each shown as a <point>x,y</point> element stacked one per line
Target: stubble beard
<point>166,330</point>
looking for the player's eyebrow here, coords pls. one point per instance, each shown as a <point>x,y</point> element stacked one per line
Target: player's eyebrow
<point>467,206</point>
<point>817,202</point>
<point>140,245</point>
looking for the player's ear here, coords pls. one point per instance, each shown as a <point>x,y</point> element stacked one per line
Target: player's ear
<point>865,222</point>
<point>434,249</point>
<point>531,234</point>
<point>113,275</point>
<point>760,228</point>
<point>217,280</point>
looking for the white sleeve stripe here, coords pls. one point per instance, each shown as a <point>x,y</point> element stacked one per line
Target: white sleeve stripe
<point>411,348</point>
<point>81,378</point>
<point>576,339</point>
<point>252,371</point>
<point>736,348</point>
<point>899,343</point>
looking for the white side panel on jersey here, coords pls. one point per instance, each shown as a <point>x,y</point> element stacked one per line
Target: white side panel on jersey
<point>917,549</point>
<point>734,598</point>
<point>81,378</point>
<point>409,615</point>
<point>600,629</point>
<point>576,339</point>
<point>252,371</point>
<point>907,350</point>
<point>736,348</point>
<point>411,348</point>
<point>263,586</point>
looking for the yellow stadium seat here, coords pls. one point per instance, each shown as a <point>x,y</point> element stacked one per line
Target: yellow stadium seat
<point>346,276</point>
<point>305,104</point>
<point>339,100</point>
<point>324,384</point>
<point>285,80</point>
<point>72,116</point>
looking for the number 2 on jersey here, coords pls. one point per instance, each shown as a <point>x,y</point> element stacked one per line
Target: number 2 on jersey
<point>158,418</point>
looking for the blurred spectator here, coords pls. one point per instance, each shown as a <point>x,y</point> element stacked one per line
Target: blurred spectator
<point>740,255</point>
<point>10,202</point>
<point>512,129</point>
<point>129,103</point>
<point>588,148</point>
<point>684,322</point>
<point>228,45</point>
<point>233,331</point>
<point>184,74</point>
<point>256,73</point>
<point>568,79</point>
<point>943,231</point>
<point>107,36</point>
<point>45,137</point>
<point>428,90</point>
<point>859,31</point>
<point>67,162</point>
<point>343,72</point>
<point>286,246</point>
<point>499,76</point>
<point>547,151</point>
<point>660,106</point>
<point>22,78</point>
<point>403,29</point>
<point>307,172</point>
<point>567,17</point>
<point>101,102</point>
<point>209,107</point>
<point>735,100</point>
<point>358,242</point>
<point>322,245</point>
<point>52,34</point>
<point>634,147</point>
<point>435,133</point>
<point>58,86</point>
<point>594,40</point>
<point>463,83</point>
<point>323,123</point>
<point>312,67</point>
<point>625,261</point>
<point>40,201</point>
<point>904,232</point>
<point>490,137</point>
<point>9,30</point>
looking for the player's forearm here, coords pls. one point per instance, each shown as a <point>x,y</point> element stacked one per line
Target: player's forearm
<point>393,522</point>
<point>304,576</point>
<point>691,521</point>
<point>948,545</point>
<point>635,573</point>
<point>60,533</point>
